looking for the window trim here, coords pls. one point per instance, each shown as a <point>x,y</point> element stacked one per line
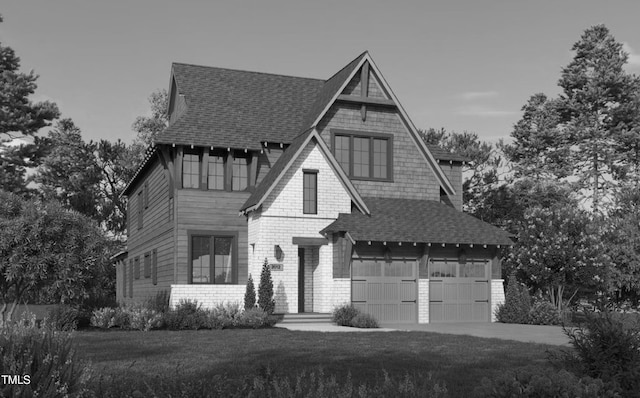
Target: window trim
<point>136,267</point>
<point>147,265</point>
<point>306,172</point>
<point>371,136</point>
<point>213,234</point>
<point>197,152</point>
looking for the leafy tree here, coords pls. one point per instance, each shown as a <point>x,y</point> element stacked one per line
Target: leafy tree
<point>68,172</point>
<point>622,239</point>
<point>250,295</point>
<point>46,247</point>
<point>265,289</point>
<point>560,253</point>
<point>148,127</point>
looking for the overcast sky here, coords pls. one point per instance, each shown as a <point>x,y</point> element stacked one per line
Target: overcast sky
<point>462,65</point>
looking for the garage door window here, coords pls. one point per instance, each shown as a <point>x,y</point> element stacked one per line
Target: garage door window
<point>450,268</point>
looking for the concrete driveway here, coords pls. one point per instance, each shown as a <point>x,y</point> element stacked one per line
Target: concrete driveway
<point>526,333</point>
<point>506,331</point>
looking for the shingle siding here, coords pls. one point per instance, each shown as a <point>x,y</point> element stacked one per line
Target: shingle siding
<point>412,177</point>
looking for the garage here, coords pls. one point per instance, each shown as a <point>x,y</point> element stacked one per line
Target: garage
<point>385,289</point>
<point>459,291</point>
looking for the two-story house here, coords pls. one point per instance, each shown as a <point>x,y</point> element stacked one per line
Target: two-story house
<point>328,180</point>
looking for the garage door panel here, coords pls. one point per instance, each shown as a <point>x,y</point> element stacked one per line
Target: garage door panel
<point>436,291</point>
<point>458,299</point>
<point>408,291</point>
<point>465,291</point>
<point>450,292</point>
<point>480,311</point>
<point>480,291</point>
<point>387,295</point>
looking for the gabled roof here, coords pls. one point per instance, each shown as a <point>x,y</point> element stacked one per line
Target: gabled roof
<point>238,109</point>
<point>442,154</point>
<point>287,159</point>
<point>411,220</point>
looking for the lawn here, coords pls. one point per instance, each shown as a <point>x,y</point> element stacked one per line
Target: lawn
<point>135,358</point>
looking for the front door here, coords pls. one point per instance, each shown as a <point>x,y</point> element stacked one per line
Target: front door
<point>300,280</point>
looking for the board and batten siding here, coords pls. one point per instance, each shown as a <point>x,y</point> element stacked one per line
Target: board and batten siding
<point>200,210</point>
<point>412,176</point>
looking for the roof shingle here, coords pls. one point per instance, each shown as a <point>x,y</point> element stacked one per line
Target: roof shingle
<point>410,220</point>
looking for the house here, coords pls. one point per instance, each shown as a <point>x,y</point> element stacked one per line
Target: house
<point>328,180</point>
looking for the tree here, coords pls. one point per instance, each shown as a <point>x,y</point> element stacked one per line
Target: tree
<point>265,289</point>
<point>18,115</point>
<point>148,127</point>
<point>539,149</point>
<point>559,252</point>
<point>69,173</point>
<point>46,247</point>
<point>483,168</point>
<point>250,295</point>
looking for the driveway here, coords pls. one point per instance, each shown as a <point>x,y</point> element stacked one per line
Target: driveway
<point>506,331</point>
<point>526,333</point>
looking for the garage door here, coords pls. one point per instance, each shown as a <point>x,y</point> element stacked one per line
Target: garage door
<point>458,292</point>
<point>386,290</point>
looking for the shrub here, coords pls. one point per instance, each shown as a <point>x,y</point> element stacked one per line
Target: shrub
<point>343,315</point>
<point>121,318</point>
<point>62,318</point>
<point>144,319</point>
<point>364,321</point>
<point>606,349</point>
<point>543,383</point>
<point>265,289</point>
<point>46,356</point>
<point>250,295</point>
<point>159,303</point>
<point>544,313</point>
<point>187,315</point>
<point>255,318</point>
<point>517,303</point>
<point>103,318</point>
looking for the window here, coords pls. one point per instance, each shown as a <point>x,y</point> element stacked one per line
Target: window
<point>310,192</point>
<point>213,259</point>
<point>140,211</point>
<point>190,170</point>
<point>146,195</point>
<point>239,172</point>
<point>154,266</point>
<point>215,176</point>
<point>364,156</point>
<point>136,267</point>
<point>147,265</point>
<point>452,268</point>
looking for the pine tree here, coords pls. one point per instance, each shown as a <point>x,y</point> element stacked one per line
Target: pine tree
<point>250,295</point>
<point>265,290</point>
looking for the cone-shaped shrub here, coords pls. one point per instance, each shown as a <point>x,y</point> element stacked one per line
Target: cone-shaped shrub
<point>517,303</point>
<point>250,295</point>
<point>265,289</point>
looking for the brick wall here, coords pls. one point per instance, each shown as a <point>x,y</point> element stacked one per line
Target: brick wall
<point>282,218</point>
<point>497,296</point>
<point>423,301</point>
<point>207,295</point>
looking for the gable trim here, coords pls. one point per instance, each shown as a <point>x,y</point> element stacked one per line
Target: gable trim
<point>413,132</point>
<point>342,177</point>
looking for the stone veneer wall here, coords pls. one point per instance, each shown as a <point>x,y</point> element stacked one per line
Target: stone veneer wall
<point>497,296</point>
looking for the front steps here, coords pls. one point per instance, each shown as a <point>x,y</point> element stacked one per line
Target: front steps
<point>306,317</point>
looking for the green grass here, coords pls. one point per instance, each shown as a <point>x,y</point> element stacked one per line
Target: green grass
<point>460,361</point>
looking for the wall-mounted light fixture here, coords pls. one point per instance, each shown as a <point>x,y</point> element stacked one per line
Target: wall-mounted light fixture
<point>277,252</point>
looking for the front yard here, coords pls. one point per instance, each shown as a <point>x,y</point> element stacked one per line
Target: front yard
<point>123,361</point>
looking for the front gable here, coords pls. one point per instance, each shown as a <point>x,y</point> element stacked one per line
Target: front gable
<point>365,106</point>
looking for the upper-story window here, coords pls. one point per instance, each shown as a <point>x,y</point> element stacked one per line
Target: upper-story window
<point>190,170</point>
<point>364,156</point>
<point>310,192</point>
<point>224,170</point>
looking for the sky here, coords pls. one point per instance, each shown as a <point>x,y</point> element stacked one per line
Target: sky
<point>462,65</point>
